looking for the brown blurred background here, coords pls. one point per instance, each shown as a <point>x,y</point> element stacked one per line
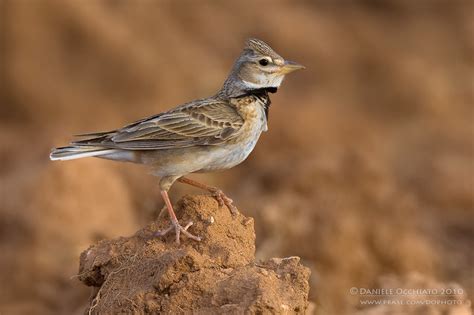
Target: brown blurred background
<point>366,171</point>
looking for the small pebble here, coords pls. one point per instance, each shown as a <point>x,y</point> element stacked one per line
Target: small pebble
<point>247,221</point>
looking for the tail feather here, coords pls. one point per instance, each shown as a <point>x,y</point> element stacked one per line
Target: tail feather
<point>77,152</point>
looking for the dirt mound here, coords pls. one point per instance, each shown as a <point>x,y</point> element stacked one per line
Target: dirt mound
<point>143,273</point>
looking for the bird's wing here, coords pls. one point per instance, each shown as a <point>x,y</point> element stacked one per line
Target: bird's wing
<point>203,122</point>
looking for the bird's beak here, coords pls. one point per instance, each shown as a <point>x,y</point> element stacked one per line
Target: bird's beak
<point>290,66</point>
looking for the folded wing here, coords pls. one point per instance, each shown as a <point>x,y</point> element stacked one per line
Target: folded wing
<point>204,122</point>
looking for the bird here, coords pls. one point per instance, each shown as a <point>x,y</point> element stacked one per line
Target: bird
<point>204,135</point>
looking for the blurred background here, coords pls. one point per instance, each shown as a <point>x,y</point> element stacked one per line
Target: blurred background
<point>366,171</point>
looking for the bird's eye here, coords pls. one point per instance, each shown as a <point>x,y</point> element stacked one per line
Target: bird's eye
<point>263,62</point>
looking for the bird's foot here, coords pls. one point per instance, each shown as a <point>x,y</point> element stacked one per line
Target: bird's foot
<point>222,199</point>
<point>178,229</point>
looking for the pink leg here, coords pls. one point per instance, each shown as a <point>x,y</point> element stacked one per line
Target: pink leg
<point>174,222</point>
<point>222,199</point>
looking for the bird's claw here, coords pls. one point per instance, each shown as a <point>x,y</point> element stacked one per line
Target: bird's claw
<point>222,200</point>
<point>178,230</point>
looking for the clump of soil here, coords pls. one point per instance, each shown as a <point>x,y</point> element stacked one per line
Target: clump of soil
<point>143,273</point>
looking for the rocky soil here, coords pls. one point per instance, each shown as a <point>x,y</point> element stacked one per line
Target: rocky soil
<point>143,273</point>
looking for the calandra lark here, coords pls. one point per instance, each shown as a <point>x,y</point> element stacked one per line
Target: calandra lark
<point>209,134</point>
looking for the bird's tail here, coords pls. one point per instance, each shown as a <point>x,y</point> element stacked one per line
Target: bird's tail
<point>76,152</point>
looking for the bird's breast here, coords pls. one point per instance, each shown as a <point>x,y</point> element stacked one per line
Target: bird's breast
<point>253,109</point>
<point>236,150</point>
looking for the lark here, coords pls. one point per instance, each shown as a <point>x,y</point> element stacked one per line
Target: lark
<point>205,135</point>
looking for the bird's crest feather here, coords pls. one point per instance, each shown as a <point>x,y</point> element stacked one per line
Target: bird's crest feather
<point>260,47</point>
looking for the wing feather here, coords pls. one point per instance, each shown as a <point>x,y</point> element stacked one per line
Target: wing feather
<point>204,122</point>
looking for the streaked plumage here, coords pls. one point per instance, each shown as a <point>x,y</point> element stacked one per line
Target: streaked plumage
<point>209,134</point>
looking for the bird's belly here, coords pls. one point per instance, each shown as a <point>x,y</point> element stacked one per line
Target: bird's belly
<point>197,159</point>
<point>230,156</point>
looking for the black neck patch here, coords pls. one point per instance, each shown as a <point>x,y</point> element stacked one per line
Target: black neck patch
<point>262,94</point>
<point>258,91</point>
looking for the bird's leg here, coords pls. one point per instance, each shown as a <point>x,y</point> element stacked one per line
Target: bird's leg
<point>174,222</point>
<point>222,199</point>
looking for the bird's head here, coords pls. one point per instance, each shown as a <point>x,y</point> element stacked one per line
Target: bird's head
<point>259,67</point>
